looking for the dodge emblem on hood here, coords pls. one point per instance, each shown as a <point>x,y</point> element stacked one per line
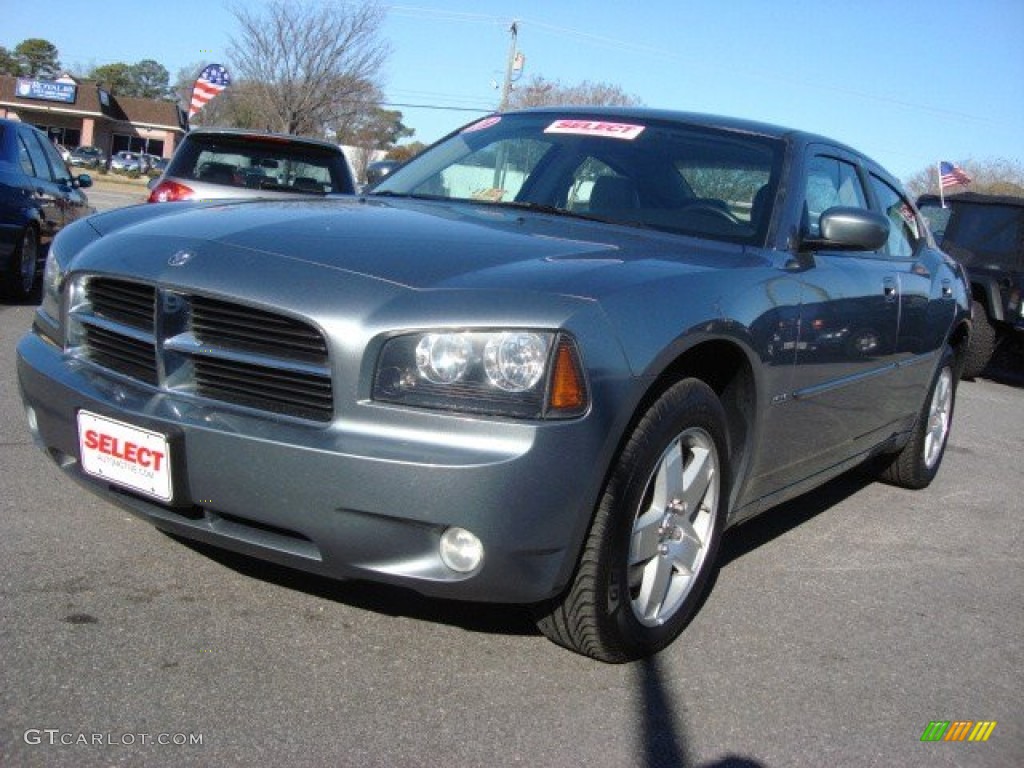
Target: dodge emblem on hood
<point>180,259</point>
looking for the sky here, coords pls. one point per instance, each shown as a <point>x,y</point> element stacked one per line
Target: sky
<point>909,82</point>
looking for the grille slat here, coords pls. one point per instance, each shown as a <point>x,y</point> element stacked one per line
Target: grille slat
<point>116,310</point>
<point>302,394</point>
<point>121,353</point>
<point>253,330</point>
<point>123,302</point>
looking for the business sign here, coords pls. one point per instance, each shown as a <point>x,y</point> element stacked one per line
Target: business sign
<point>46,90</point>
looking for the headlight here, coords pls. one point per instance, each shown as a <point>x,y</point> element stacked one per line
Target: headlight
<point>53,282</point>
<point>519,373</point>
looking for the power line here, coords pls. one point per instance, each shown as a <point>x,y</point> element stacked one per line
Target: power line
<point>484,111</point>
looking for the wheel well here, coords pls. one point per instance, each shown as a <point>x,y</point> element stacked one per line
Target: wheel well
<point>958,341</point>
<point>724,367</point>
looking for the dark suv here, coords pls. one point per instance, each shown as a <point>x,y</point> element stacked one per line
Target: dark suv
<point>986,234</point>
<point>221,163</point>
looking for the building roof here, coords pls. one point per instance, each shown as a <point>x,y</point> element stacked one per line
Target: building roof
<point>155,113</point>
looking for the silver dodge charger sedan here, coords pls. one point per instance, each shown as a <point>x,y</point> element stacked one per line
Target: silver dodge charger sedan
<point>546,362</point>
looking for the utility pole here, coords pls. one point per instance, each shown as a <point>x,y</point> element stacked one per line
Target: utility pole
<point>509,67</point>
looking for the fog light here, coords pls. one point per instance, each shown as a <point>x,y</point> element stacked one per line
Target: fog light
<point>461,550</point>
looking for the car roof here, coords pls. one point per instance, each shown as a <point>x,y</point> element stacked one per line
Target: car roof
<point>199,133</point>
<point>702,120</point>
<point>972,197</point>
<point>666,115</point>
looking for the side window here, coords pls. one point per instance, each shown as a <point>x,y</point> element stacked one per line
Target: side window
<point>60,169</point>
<point>24,159</point>
<point>830,182</point>
<point>904,228</point>
<point>35,151</point>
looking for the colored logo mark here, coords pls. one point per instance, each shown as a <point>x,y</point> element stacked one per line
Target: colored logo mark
<point>958,730</point>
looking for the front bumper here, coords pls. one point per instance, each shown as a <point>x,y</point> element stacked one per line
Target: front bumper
<point>363,498</point>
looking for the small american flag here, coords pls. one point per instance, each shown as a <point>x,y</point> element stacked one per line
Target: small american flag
<point>951,174</point>
<point>212,81</point>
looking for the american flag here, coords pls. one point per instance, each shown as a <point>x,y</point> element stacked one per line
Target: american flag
<point>212,81</point>
<point>951,174</point>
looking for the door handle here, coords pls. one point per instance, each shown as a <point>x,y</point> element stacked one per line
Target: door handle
<point>890,289</point>
<point>947,289</point>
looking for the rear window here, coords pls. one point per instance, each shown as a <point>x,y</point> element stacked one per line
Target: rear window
<point>257,163</point>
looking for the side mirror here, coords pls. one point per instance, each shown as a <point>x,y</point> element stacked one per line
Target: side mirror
<point>849,229</point>
<point>83,181</point>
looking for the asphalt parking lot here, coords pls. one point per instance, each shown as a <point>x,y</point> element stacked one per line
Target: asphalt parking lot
<point>840,626</point>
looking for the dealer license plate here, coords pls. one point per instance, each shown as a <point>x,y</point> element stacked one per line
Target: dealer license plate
<point>125,455</point>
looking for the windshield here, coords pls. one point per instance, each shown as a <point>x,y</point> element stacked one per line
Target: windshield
<point>666,176</point>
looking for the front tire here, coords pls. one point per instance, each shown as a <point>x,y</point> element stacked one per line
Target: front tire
<point>652,545</point>
<point>917,463</point>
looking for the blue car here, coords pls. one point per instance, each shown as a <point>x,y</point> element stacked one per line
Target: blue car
<point>546,362</point>
<point>38,196</point>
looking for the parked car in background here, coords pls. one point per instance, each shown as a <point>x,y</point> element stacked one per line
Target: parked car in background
<point>986,234</point>
<point>128,162</point>
<point>548,361</point>
<point>38,196</point>
<point>87,156</point>
<point>151,164</point>
<point>222,163</point>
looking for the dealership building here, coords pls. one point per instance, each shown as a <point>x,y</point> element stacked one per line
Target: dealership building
<point>81,113</point>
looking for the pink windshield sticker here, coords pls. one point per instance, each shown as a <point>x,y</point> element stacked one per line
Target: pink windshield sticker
<point>596,128</point>
<point>487,122</point>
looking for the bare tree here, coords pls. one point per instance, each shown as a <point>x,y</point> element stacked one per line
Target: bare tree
<point>994,176</point>
<point>538,92</point>
<point>309,66</point>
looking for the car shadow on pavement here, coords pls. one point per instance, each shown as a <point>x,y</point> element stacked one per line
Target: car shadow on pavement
<point>760,530</point>
<point>1007,365</point>
<point>385,599</point>
<point>34,299</point>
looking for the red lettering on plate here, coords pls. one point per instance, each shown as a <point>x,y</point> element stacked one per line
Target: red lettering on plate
<point>130,452</point>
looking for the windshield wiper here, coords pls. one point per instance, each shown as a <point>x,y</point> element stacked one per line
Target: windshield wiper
<point>551,209</point>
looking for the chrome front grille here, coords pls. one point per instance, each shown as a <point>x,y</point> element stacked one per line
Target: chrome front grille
<point>203,346</point>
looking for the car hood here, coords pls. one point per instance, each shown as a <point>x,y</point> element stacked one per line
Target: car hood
<point>418,244</point>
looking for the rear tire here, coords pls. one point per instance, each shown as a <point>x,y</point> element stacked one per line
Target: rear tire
<point>982,346</point>
<point>19,278</point>
<point>651,549</point>
<point>917,463</point>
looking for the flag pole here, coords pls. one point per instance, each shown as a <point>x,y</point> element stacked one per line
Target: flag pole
<point>942,198</point>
